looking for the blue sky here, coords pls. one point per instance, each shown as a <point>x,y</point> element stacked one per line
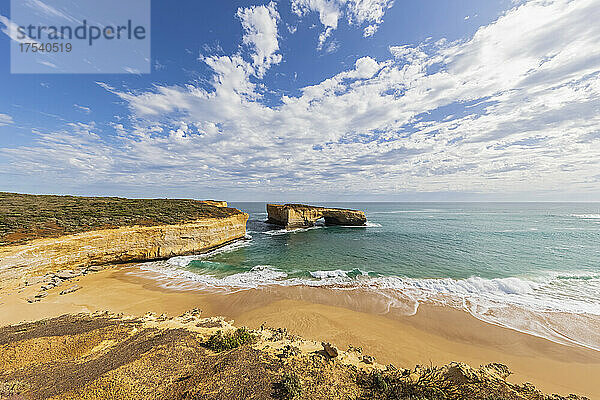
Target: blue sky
<point>312,100</point>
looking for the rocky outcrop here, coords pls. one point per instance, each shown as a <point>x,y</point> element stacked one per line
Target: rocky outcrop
<point>126,244</point>
<point>329,349</point>
<point>302,216</point>
<point>215,203</point>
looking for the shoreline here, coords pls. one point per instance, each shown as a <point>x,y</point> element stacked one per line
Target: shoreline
<point>435,335</point>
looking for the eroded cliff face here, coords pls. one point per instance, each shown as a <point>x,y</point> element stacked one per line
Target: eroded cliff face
<point>215,203</point>
<point>126,244</point>
<point>294,216</point>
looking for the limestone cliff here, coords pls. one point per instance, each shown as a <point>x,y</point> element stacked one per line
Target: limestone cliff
<point>97,231</point>
<point>127,244</point>
<point>301,216</point>
<point>26,217</point>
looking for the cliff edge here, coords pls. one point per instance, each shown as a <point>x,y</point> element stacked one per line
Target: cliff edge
<point>43,233</point>
<point>303,216</point>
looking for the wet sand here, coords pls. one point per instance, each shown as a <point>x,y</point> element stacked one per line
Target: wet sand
<point>436,335</point>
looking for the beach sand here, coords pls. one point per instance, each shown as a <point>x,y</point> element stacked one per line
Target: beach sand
<point>435,334</point>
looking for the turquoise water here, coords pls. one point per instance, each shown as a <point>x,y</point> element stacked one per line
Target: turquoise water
<point>531,267</point>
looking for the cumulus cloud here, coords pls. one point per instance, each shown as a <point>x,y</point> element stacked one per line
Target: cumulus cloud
<point>513,108</point>
<point>356,12</point>
<point>329,10</point>
<point>260,33</point>
<point>370,30</point>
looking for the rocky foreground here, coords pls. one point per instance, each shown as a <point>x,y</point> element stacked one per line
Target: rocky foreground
<point>106,356</point>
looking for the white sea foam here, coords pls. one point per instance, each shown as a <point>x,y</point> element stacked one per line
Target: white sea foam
<point>329,274</point>
<point>182,279</point>
<point>184,261</point>
<point>276,232</point>
<point>373,225</point>
<point>586,216</point>
<point>544,294</point>
<point>575,293</point>
<point>369,224</point>
<point>551,304</point>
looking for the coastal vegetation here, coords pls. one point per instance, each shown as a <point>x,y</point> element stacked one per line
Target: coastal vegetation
<point>25,217</point>
<point>102,355</point>
<point>230,340</point>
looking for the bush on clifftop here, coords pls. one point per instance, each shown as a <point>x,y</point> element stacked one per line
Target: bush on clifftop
<point>230,340</point>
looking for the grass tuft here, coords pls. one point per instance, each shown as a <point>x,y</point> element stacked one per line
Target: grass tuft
<point>291,386</point>
<point>230,340</point>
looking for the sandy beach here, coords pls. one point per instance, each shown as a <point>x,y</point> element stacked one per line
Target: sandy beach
<point>434,335</point>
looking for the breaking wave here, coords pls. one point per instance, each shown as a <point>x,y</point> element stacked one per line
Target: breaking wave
<point>586,216</point>
<point>552,305</point>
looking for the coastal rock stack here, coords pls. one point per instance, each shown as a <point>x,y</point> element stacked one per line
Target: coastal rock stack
<point>294,216</point>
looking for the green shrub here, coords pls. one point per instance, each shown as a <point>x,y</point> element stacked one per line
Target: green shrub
<point>230,340</point>
<point>291,386</point>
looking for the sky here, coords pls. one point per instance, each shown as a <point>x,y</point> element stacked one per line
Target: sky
<point>323,100</point>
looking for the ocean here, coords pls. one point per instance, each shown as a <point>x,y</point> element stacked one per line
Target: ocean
<point>532,267</point>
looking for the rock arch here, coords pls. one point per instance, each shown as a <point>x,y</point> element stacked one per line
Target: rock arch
<point>303,216</point>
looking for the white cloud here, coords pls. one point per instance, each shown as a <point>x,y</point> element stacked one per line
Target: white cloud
<point>370,30</point>
<point>361,11</point>
<point>5,119</point>
<point>329,10</point>
<point>10,29</point>
<point>83,109</point>
<point>365,68</point>
<point>356,12</point>
<point>47,63</point>
<point>512,109</point>
<point>53,12</point>
<point>323,36</point>
<point>260,33</point>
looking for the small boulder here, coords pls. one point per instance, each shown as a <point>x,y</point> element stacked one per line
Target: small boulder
<point>460,372</point>
<point>330,350</point>
<point>367,359</point>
